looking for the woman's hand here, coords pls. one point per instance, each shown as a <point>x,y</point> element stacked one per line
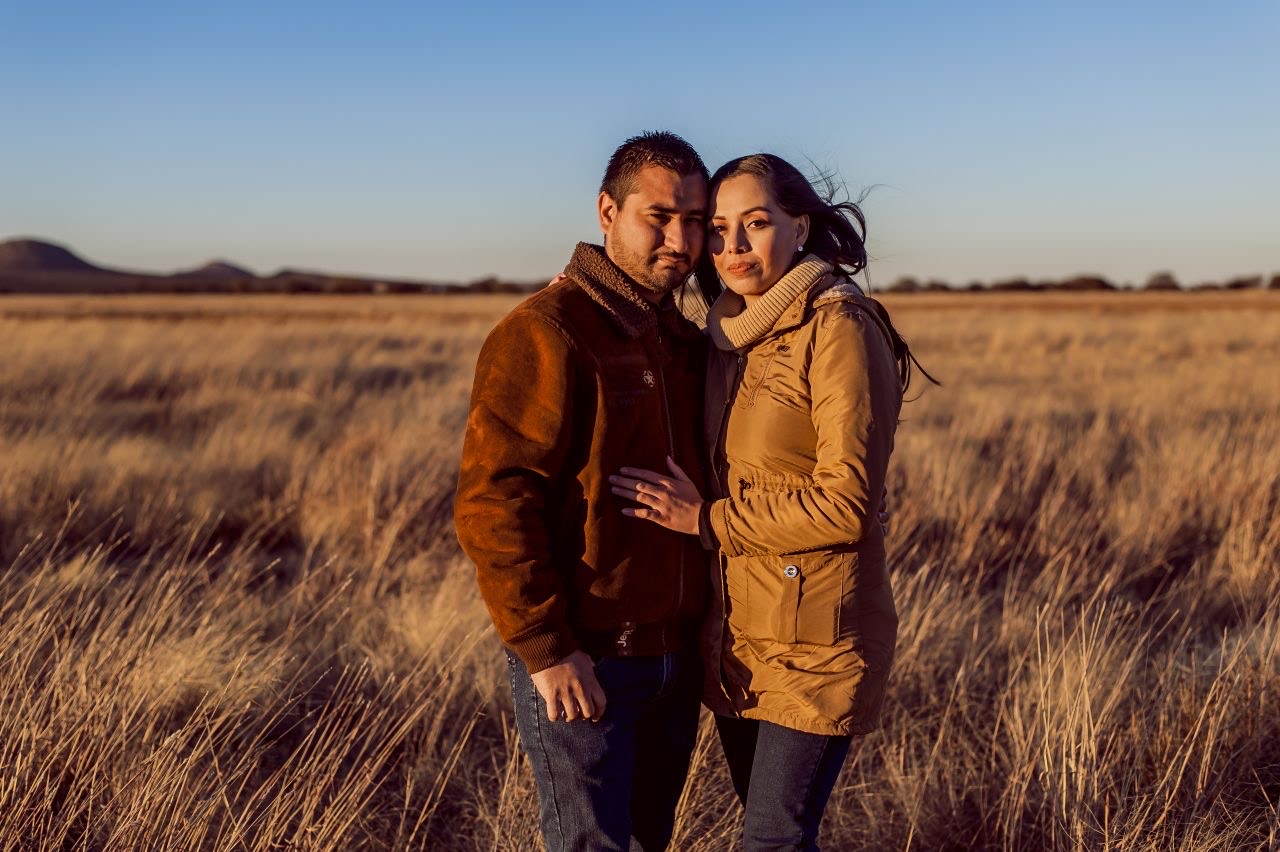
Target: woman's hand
<point>670,501</point>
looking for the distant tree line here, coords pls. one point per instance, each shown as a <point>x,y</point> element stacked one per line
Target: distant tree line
<point>306,282</point>
<point>29,265</point>
<point>1080,283</point>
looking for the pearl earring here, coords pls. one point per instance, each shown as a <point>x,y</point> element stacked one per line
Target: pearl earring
<point>801,248</point>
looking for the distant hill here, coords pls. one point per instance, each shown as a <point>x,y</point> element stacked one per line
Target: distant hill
<point>27,255</point>
<point>220,269</point>
<point>41,267</point>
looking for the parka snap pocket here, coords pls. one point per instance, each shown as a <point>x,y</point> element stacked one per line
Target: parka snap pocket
<point>797,599</point>
<point>784,622</point>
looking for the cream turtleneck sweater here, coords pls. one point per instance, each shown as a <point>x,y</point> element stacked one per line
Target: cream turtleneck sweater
<point>732,325</point>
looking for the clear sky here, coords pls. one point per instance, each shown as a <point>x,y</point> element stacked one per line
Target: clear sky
<point>453,141</point>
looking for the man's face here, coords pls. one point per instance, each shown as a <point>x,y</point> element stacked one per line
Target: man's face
<point>655,235</point>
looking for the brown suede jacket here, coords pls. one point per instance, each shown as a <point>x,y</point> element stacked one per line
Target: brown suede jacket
<point>579,380</point>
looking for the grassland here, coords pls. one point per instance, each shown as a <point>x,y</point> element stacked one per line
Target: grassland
<point>233,616</point>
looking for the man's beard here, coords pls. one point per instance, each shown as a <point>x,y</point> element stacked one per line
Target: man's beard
<point>646,272</point>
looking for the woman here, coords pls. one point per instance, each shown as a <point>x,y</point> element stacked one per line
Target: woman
<point>803,393</point>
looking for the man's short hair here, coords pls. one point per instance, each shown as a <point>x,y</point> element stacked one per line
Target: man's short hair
<point>652,148</point>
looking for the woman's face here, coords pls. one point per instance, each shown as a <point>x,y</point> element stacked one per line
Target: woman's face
<point>752,240</point>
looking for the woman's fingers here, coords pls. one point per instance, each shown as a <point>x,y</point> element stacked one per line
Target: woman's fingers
<point>645,497</point>
<point>640,474</point>
<point>624,482</point>
<point>674,503</point>
<point>659,496</point>
<point>625,487</point>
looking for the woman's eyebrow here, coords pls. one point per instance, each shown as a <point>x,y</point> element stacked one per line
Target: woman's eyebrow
<point>744,212</point>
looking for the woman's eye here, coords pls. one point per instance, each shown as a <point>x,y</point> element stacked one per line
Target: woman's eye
<point>718,229</point>
<point>758,223</point>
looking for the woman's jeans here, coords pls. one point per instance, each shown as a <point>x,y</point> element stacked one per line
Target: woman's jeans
<point>601,783</point>
<point>783,778</point>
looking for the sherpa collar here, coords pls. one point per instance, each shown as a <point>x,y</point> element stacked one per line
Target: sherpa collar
<point>733,325</point>
<point>607,285</point>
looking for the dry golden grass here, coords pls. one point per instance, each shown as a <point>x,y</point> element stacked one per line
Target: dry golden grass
<point>233,615</point>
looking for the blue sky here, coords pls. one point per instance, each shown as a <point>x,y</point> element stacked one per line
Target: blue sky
<point>452,142</point>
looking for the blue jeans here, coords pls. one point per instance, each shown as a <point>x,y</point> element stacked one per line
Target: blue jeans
<point>783,778</point>
<point>601,784</point>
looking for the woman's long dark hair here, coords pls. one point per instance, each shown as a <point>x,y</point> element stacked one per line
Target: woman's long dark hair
<point>837,234</point>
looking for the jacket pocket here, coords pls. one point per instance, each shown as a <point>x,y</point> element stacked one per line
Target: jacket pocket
<point>757,373</point>
<point>826,579</point>
<point>796,599</point>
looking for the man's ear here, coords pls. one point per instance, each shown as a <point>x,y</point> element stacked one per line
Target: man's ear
<point>608,210</point>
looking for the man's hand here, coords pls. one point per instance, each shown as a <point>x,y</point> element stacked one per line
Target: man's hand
<point>570,689</point>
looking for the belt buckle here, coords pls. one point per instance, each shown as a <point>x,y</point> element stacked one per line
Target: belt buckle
<point>623,644</point>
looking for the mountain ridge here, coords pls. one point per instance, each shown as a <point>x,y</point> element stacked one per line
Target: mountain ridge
<point>37,266</point>
<point>28,254</point>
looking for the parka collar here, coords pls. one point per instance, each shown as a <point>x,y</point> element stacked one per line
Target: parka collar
<point>733,326</point>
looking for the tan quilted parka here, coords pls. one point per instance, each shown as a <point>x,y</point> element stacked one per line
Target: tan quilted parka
<point>803,396</point>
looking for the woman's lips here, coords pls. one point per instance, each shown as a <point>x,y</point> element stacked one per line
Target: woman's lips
<point>738,270</point>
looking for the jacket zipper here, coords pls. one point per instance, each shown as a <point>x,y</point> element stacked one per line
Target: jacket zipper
<point>721,474</point>
<point>721,681</point>
<point>671,447</point>
<point>716,464</point>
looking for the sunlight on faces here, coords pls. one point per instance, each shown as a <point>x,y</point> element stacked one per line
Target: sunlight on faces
<point>753,241</point>
<point>657,232</point>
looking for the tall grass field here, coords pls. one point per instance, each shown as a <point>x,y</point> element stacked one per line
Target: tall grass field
<point>233,615</point>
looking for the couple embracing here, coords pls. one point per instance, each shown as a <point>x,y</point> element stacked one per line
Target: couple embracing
<point>669,505</point>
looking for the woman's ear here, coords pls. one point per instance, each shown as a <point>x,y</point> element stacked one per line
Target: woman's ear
<point>802,229</point>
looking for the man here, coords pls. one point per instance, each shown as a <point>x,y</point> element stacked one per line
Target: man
<point>598,611</point>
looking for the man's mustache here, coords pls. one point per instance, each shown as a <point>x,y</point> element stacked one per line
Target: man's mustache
<point>672,255</point>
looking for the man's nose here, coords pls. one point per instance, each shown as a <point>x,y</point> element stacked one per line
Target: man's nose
<point>676,239</point>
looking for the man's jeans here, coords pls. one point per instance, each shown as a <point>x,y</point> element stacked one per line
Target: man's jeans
<point>783,777</point>
<point>601,783</point>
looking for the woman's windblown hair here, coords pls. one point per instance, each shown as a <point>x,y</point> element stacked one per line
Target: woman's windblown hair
<point>837,234</point>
